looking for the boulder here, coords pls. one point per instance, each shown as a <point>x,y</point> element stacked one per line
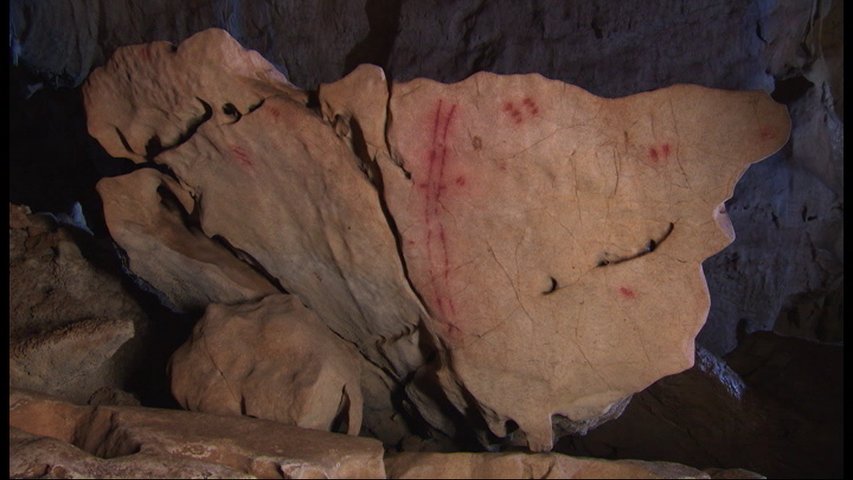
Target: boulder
<point>500,212</point>
<point>270,359</point>
<point>52,437</point>
<point>72,324</point>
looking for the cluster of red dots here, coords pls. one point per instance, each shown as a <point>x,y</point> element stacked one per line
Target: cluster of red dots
<point>516,114</point>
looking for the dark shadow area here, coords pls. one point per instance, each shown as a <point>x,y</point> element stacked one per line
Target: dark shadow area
<point>383,17</point>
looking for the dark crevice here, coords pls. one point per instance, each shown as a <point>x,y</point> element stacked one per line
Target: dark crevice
<point>759,33</point>
<point>154,146</point>
<point>124,141</point>
<point>383,19</point>
<point>232,111</point>
<point>249,260</point>
<point>256,106</point>
<point>650,247</point>
<point>340,424</point>
<point>313,101</point>
<point>388,120</point>
<point>791,89</point>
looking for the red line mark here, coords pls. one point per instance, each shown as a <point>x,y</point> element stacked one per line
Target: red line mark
<point>665,148</point>
<point>275,113</point>
<point>437,255</point>
<point>460,181</point>
<point>241,156</point>
<point>627,292</point>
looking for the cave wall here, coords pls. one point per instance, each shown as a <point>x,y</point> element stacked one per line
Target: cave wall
<point>787,260</point>
<point>784,272</point>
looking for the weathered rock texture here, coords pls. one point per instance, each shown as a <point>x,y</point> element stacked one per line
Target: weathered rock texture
<point>792,47</point>
<point>528,213</point>
<point>146,216</point>
<point>523,465</point>
<point>53,438</point>
<point>272,359</point>
<point>789,247</point>
<point>71,324</point>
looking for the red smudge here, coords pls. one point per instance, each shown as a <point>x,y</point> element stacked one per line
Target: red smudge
<point>626,292</point>
<point>653,155</point>
<point>658,155</point>
<point>508,107</point>
<point>766,133</point>
<point>241,156</point>
<point>275,113</point>
<point>460,181</point>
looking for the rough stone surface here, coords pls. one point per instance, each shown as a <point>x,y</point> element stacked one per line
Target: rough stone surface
<point>140,442</point>
<point>35,456</point>
<point>767,275</point>
<point>610,50</point>
<point>315,222</point>
<point>524,465</point>
<point>536,193</point>
<point>68,319</point>
<point>149,221</point>
<point>271,359</point>
<point>516,199</point>
<point>774,411</point>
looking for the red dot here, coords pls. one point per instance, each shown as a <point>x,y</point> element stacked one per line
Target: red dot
<point>627,292</point>
<point>665,149</point>
<point>460,181</point>
<point>508,106</point>
<point>653,153</point>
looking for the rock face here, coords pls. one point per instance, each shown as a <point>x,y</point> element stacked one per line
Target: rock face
<point>135,442</point>
<point>499,212</point>
<point>521,465</point>
<point>148,219</point>
<point>71,324</point>
<point>271,359</point>
<point>525,209</point>
<point>50,438</point>
<point>791,48</point>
